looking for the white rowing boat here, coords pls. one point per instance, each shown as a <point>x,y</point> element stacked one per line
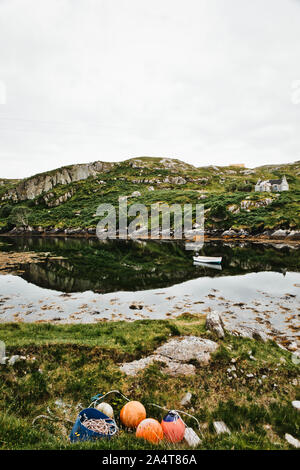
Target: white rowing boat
<point>208,259</point>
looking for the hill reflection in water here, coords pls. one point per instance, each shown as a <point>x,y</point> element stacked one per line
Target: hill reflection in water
<point>88,264</point>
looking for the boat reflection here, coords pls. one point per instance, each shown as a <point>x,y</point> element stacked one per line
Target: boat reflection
<point>208,265</point>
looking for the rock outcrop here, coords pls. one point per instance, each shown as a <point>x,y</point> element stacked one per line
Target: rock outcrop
<point>175,355</point>
<point>52,201</point>
<point>248,332</point>
<point>36,185</point>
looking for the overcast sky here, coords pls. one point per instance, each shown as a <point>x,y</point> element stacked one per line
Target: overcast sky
<point>206,81</point>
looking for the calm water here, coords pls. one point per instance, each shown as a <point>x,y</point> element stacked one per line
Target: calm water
<point>88,264</point>
<point>84,280</point>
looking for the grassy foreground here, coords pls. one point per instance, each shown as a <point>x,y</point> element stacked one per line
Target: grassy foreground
<point>74,362</point>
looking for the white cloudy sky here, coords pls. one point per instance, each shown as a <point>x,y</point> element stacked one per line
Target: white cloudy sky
<point>206,81</point>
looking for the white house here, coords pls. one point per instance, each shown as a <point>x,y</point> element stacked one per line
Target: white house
<point>272,185</point>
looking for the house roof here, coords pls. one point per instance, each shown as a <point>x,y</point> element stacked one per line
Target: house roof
<point>278,181</point>
<point>275,181</point>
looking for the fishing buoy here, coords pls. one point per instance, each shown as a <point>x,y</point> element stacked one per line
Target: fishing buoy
<point>132,414</point>
<point>106,409</point>
<point>173,427</point>
<point>150,430</point>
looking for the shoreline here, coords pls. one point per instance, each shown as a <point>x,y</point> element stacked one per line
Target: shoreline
<point>235,238</point>
<point>240,304</point>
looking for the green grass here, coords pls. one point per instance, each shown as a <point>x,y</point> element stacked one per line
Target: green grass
<point>75,362</point>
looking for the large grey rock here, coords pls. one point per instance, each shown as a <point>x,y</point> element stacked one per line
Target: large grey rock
<point>215,323</point>
<point>173,368</point>
<point>279,234</point>
<point>32,187</point>
<point>187,348</point>
<point>248,332</point>
<point>175,356</point>
<point>229,233</point>
<point>294,235</point>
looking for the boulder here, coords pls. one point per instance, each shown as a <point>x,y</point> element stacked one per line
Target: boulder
<point>175,356</point>
<point>187,348</point>
<point>173,368</point>
<point>229,233</point>
<point>279,234</point>
<point>294,235</point>
<point>215,323</point>
<point>248,332</point>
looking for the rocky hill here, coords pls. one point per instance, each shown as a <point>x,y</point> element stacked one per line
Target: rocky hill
<point>67,198</point>
<point>32,187</point>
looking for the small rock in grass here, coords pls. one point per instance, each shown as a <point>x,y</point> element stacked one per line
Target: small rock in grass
<point>13,359</point>
<point>221,428</point>
<point>186,399</point>
<point>215,323</point>
<point>292,441</point>
<point>296,404</point>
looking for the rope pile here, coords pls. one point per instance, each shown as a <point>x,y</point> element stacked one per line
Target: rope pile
<point>102,426</point>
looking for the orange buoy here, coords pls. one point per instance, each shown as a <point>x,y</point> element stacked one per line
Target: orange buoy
<point>173,427</point>
<point>132,414</point>
<point>150,430</point>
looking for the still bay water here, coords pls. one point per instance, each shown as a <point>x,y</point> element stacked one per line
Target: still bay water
<point>85,280</point>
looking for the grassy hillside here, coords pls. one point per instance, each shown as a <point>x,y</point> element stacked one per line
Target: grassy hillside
<point>227,193</point>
